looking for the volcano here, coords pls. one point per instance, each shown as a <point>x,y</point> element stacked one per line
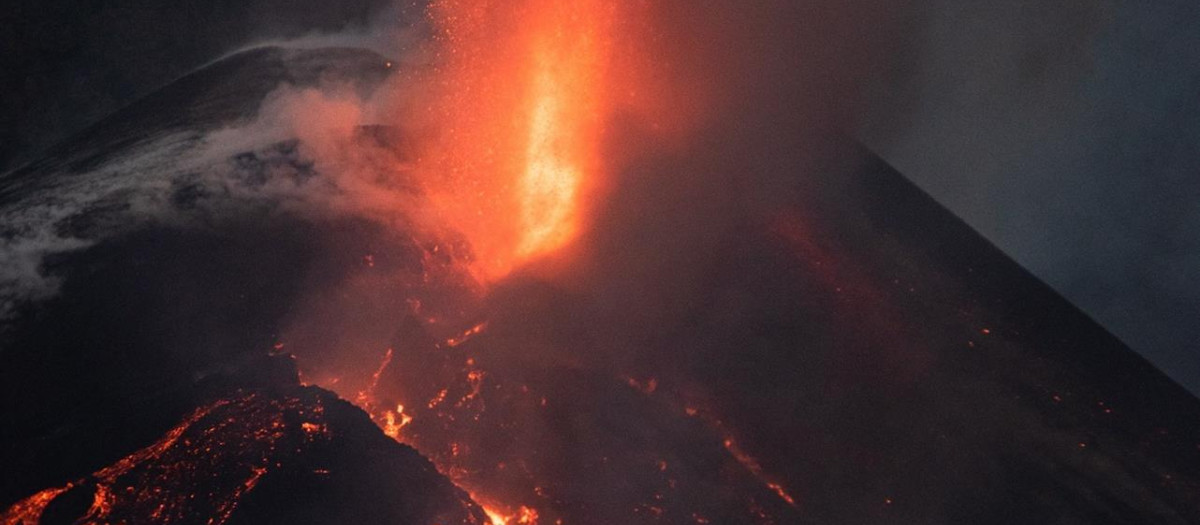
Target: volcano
<point>204,323</point>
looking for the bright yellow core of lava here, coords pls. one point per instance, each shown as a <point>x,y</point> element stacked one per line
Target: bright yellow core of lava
<point>550,183</point>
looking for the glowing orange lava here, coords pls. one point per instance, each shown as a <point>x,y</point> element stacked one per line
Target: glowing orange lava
<point>523,516</point>
<point>521,98</point>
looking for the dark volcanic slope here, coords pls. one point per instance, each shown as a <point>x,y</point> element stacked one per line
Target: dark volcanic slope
<point>874,356</point>
<point>898,368</point>
<point>293,455</point>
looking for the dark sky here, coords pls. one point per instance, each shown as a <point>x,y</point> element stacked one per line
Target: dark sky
<point>1066,132</point>
<point>1069,134</point>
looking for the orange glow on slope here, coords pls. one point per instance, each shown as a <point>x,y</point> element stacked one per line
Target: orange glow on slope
<point>523,516</point>
<point>521,96</point>
<point>29,510</point>
<point>394,422</point>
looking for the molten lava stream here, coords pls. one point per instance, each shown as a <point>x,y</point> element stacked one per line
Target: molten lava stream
<point>394,422</point>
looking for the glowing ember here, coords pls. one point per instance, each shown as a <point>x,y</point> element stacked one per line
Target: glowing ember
<point>523,516</point>
<point>395,421</point>
<point>466,335</point>
<point>495,517</point>
<point>365,398</point>
<point>752,465</point>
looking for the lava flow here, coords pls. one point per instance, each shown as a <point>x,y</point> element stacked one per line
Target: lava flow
<point>521,94</point>
<point>241,459</point>
<point>497,431</point>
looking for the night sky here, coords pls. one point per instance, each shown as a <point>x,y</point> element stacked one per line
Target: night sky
<point>1065,133</point>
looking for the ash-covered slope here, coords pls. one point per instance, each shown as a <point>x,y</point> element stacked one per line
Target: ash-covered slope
<point>282,455</point>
